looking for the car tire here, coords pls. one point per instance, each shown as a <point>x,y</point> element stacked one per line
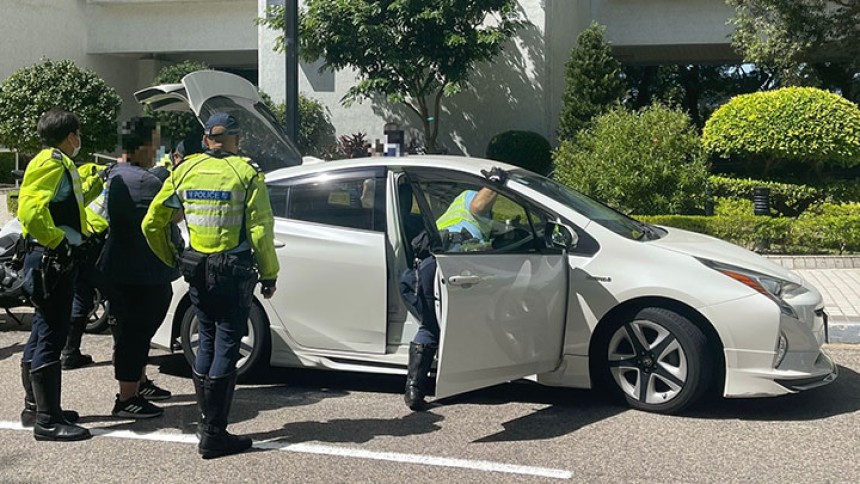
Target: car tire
<point>255,349</point>
<point>656,359</point>
<point>99,318</point>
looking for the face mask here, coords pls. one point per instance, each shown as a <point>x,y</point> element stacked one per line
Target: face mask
<point>77,150</point>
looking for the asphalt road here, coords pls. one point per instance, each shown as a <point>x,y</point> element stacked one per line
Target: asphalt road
<point>312,426</point>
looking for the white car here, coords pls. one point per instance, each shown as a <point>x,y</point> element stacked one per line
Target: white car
<point>566,291</point>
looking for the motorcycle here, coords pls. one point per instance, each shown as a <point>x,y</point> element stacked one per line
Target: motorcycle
<point>12,294</point>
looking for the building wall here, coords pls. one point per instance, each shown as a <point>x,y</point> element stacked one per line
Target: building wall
<point>126,42</point>
<point>523,88</point>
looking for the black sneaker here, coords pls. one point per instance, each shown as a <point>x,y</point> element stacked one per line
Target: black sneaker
<point>76,360</point>
<point>135,407</point>
<point>150,391</point>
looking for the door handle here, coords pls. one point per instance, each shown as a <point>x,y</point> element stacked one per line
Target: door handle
<point>464,280</point>
<point>279,244</point>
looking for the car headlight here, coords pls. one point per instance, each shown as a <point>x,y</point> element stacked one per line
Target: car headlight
<point>774,288</point>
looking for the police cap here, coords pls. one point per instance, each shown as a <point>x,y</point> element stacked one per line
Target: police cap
<point>227,122</point>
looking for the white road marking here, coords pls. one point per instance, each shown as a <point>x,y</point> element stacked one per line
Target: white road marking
<point>428,460</point>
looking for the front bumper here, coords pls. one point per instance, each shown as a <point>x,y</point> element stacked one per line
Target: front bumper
<point>752,366</point>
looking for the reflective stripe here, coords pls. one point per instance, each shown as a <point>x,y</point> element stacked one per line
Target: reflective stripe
<point>213,220</point>
<point>213,207</point>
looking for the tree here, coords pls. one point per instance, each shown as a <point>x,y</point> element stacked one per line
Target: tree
<point>593,82</point>
<point>174,124</point>
<point>411,51</point>
<point>699,89</point>
<point>31,91</point>
<point>525,149</point>
<point>644,162</point>
<point>790,133</point>
<point>316,133</point>
<point>810,42</point>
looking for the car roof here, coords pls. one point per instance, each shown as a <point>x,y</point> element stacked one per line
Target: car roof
<point>456,163</point>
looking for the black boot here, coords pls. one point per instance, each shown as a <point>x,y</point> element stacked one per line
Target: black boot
<point>50,424</point>
<point>28,415</point>
<point>420,360</point>
<point>199,381</point>
<point>72,357</point>
<point>215,441</point>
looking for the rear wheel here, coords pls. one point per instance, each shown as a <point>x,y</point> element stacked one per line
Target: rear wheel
<point>657,359</point>
<point>254,350</point>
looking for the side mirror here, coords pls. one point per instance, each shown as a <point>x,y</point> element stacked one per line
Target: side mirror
<point>560,236</point>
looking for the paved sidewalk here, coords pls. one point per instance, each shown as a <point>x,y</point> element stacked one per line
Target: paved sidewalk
<point>841,291</point>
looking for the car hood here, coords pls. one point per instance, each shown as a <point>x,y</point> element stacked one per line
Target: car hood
<point>204,92</point>
<point>706,247</point>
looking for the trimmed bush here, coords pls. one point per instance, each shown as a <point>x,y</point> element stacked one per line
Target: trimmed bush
<point>525,149</point>
<point>785,199</point>
<point>645,162</point>
<point>791,133</point>
<point>829,229</point>
<point>29,92</point>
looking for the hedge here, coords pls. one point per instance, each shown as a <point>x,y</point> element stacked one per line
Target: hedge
<point>785,198</point>
<point>809,234</point>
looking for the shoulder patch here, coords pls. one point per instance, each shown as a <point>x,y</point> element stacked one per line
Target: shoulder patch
<point>57,154</point>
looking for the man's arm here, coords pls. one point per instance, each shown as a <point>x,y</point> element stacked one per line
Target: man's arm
<point>483,202</point>
<point>40,183</point>
<point>261,231</point>
<point>156,225</point>
<point>91,181</point>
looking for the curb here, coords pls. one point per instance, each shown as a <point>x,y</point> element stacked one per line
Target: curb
<point>816,261</point>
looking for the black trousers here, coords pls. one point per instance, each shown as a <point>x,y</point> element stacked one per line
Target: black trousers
<point>51,320</point>
<point>141,310</point>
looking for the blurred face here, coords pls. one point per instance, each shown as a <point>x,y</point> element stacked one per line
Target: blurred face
<point>144,156</point>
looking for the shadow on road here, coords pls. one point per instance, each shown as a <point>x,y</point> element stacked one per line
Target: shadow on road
<point>356,431</point>
<point>11,350</point>
<point>840,397</point>
<point>563,411</point>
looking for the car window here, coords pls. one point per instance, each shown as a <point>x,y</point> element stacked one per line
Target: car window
<point>278,200</point>
<point>473,217</point>
<point>357,203</point>
<point>591,209</point>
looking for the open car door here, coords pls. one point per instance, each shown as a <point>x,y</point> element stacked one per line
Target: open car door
<point>502,318</point>
<point>204,92</point>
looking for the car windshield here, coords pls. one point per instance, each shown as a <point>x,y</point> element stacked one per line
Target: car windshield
<point>591,209</point>
<point>262,138</point>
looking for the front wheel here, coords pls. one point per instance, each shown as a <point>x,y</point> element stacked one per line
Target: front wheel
<point>254,350</point>
<point>657,360</point>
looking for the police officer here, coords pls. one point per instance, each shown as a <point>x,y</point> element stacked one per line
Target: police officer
<point>51,211</point>
<point>141,281</point>
<point>230,226</point>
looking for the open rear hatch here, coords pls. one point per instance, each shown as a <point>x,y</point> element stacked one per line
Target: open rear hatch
<point>204,92</point>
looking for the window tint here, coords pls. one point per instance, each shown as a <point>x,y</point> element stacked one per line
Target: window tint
<point>278,199</point>
<point>357,203</point>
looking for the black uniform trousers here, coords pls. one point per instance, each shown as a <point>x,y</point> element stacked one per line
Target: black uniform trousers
<point>51,321</point>
<point>222,314</point>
